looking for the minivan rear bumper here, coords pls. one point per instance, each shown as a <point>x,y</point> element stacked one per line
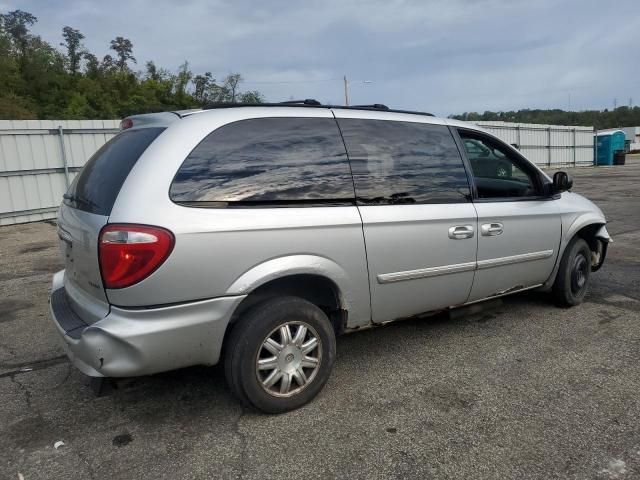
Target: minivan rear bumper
<point>142,341</point>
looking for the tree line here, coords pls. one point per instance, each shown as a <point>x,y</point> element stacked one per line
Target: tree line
<point>40,81</point>
<point>618,117</point>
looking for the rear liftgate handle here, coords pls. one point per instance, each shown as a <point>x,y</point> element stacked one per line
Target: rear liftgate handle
<point>460,232</point>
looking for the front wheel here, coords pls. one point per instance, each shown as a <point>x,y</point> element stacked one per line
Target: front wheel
<point>280,354</point>
<point>574,274</point>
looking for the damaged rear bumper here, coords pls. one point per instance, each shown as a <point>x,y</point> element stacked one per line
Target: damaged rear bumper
<point>141,341</point>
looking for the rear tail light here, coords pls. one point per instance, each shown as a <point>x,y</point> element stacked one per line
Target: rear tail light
<point>130,253</point>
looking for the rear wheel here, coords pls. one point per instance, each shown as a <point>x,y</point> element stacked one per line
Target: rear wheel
<point>574,273</point>
<point>280,354</point>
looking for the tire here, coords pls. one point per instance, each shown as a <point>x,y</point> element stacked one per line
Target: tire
<point>293,366</point>
<point>574,273</point>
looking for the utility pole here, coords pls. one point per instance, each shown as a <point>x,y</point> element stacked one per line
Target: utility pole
<point>346,92</point>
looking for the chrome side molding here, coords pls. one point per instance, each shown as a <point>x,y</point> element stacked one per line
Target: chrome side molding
<point>524,257</point>
<point>426,272</point>
<point>461,267</point>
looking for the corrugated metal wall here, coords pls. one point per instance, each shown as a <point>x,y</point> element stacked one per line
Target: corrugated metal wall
<point>547,145</point>
<point>36,166</point>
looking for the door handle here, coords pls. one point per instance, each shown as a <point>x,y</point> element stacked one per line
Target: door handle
<point>491,229</point>
<point>459,232</point>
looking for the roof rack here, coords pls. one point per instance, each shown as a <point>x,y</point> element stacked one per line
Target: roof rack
<point>375,106</point>
<point>312,103</point>
<point>307,101</point>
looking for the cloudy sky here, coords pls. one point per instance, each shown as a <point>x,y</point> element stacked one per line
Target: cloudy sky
<point>443,56</point>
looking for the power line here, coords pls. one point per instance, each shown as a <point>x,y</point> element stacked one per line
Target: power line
<point>283,82</point>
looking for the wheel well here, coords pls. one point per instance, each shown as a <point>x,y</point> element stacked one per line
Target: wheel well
<point>588,234</point>
<point>319,290</point>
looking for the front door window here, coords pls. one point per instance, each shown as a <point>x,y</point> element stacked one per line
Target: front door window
<point>496,170</point>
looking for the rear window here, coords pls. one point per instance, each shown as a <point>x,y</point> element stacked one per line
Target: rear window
<point>267,162</point>
<point>97,185</point>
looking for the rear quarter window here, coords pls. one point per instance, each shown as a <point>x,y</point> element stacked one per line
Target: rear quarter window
<point>267,161</point>
<point>97,185</point>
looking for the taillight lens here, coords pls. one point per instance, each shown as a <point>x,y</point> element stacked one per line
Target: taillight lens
<point>130,253</point>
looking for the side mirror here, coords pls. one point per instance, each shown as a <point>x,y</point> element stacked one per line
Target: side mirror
<point>562,182</point>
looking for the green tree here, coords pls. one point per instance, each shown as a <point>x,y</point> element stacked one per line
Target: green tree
<point>182,80</point>
<point>92,65</point>
<point>9,70</point>
<point>201,85</point>
<point>78,107</point>
<point>75,51</point>
<point>152,71</point>
<point>619,117</point>
<point>39,81</point>
<point>16,108</point>
<point>124,50</point>
<point>108,65</point>
<point>16,23</point>
<point>232,84</point>
<point>252,96</point>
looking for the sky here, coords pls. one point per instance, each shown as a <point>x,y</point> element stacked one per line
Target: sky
<point>440,56</point>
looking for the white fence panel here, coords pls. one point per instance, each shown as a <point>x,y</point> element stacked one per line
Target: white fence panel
<point>547,145</point>
<point>36,166</point>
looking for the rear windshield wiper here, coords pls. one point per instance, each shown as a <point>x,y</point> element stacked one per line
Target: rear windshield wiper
<point>78,200</point>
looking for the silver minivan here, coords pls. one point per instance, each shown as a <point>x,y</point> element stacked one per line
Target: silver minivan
<point>255,234</point>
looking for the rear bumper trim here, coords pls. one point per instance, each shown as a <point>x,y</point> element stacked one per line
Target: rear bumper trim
<point>68,320</point>
<point>128,343</point>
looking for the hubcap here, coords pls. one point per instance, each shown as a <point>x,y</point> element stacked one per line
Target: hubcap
<point>579,273</point>
<point>288,359</point>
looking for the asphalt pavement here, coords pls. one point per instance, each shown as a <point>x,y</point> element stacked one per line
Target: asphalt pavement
<point>519,390</point>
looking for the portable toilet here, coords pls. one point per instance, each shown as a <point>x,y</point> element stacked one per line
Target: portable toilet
<point>606,144</point>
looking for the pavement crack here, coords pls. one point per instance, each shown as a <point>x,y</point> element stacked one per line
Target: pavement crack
<point>26,367</point>
<point>243,443</point>
<point>27,396</point>
<point>83,459</point>
<point>66,377</point>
